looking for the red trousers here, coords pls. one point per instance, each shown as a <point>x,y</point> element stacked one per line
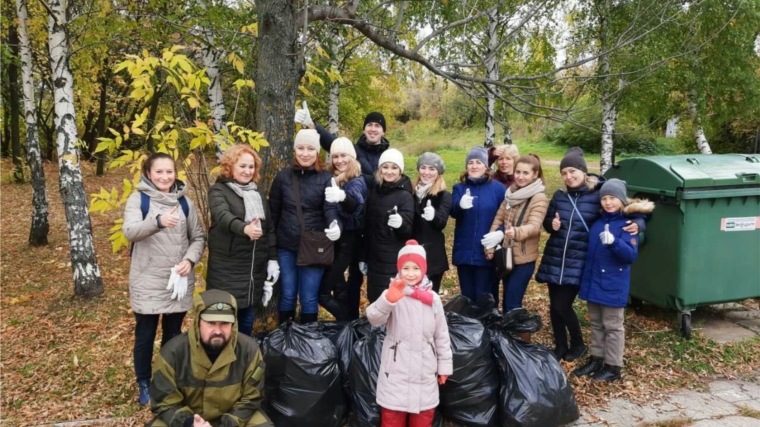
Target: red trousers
<point>404,419</point>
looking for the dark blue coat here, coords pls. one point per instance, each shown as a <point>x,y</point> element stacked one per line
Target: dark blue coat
<point>368,155</point>
<point>352,209</point>
<point>607,273</point>
<point>472,224</point>
<point>317,212</point>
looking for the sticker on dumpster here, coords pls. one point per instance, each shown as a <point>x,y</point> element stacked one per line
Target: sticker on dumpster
<point>747,223</point>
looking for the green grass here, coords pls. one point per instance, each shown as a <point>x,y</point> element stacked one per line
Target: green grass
<point>746,411</point>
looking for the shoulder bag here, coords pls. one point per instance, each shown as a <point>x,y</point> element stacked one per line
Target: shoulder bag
<point>315,249</point>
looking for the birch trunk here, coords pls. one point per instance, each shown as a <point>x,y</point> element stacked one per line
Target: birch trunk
<point>87,280</point>
<point>40,227</point>
<point>333,113</point>
<point>699,133</point>
<point>492,67</point>
<point>671,129</point>
<point>609,112</point>
<point>216,101</point>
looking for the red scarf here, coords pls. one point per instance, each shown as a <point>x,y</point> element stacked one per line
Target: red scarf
<point>423,295</point>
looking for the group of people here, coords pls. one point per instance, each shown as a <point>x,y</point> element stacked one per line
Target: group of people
<point>381,225</point>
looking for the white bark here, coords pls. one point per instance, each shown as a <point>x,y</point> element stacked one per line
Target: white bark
<point>671,129</point>
<point>699,133</point>
<point>609,112</point>
<point>505,125</point>
<point>333,113</point>
<point>492,68</point>
<point>211,58</point>
<point>39,228</point>
<point>87,280</point>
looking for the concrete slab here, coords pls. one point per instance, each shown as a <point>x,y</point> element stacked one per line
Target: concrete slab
<point>723,331</point>
<point>735,421</point>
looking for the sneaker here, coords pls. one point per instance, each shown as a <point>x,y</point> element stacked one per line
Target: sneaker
<point>607,373</point>
<point>575,352</point>
<point>143,387</point>
<point>593,365</point>
<point>559,352</point>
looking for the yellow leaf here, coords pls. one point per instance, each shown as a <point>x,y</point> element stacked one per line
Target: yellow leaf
<point>138,131</point>
<point>192,102</point>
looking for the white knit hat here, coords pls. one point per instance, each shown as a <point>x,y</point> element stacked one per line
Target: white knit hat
<point>413,252</point>
<point>307,137</point>
<point>394,156</point>
<point>343,145</point>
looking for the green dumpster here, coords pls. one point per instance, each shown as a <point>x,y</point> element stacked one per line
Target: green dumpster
<point>702,244</point>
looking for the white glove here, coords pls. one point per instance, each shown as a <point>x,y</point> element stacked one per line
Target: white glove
<point>363,267</point>
<point>492,239</point>
<point>429,212</point>
<point>606,237</point>
<point>394,220</point>
<point>334,194</point>
<point>273,271</point>
<point>267,291</point>
<point>333,233</point>
<point>177,284</point>
<point>303,116</point>
<point>466,201</point>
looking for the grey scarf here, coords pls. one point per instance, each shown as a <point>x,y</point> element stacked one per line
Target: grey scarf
<point>517,196</point>
<point>251,198</point>
<point>422,190</point>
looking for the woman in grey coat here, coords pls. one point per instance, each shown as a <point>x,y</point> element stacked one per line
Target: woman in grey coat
<point>167,241</point>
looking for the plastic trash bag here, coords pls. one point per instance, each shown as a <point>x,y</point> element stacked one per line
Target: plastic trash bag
<point>534,390</point>
<point>470,397</point>
<point>302,378</point>
<point>483,310</point>
<point>362,379</point>
<point>520,321</point>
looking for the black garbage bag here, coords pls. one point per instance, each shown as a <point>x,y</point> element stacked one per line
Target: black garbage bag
<point>302,378</point>
<point>520,321</point>
<point>534,390</point>
<point>470,397</point>
<point>362,379</point>
<point>483,310</point>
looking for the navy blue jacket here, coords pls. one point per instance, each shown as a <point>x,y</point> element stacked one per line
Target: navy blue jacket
<point>472,224</point>
<point>607,273</point>
<point>429,234</point>
<point>351,210</point>
<point>368,155</point>
<point>317,212</point>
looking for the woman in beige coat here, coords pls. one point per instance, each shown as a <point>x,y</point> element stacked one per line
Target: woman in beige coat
<point>525,199</point>
<point>167,238</point>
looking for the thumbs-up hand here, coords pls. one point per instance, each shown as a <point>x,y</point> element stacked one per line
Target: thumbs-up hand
<point>253,230</point>
<point>333,232</point>
<point>394,219</point>
<point>606,237</point>
<point>169,219</point>
<point>333,193</point>
<point>303,116</point>
<point>510,232</point>
<point>556,224</point>
<point>429,212</point>
<point>466,201</point>
<point>396,290</point>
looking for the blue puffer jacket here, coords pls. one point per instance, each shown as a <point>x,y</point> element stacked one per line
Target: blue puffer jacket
<point>607,274</point>
<point>352,209</point>
<point>473,223</point>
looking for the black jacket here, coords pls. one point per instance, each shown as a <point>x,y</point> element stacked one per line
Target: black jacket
<point>317,213</point>
<point>235,263</point>
<point>383,242</point>
<point>429,234</point>
<point>367,154</point>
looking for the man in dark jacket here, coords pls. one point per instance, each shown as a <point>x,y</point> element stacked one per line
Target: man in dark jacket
<point>210,375</point>
<point>369,147</point>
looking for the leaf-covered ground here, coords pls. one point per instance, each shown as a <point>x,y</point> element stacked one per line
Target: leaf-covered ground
<point>65,358</point>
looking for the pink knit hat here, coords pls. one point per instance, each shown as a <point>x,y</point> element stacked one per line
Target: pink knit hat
<point>412,252</point>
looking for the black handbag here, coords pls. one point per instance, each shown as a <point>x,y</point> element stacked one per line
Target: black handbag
<point>315,249</point>
<point>503,258</point>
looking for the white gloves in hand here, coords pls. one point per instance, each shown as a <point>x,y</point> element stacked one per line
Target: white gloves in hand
<point>273,271</point>
<point>177,284</point>
<point>363,267</point>
<point>267,291</point>
<point>303,116</point>
<point>492,239</point>
<point>394,220</point>
<point>333,232</point>
<point>429,212</point>
<point>606,237</point>
<point>334,194</point>
<point>466,201</point>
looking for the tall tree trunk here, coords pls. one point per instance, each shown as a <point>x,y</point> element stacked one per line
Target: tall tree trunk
<point>216,101</point>
<point>333,113</point>
<point>505,125</point>
<point>492,67</point>
<point>671,128</point>
<point>87,280</point>
<point>100,125</point>
<point>6,142</point>
<point>39,229</point>
<point>696,121</point>
<point>15,104</point>
<point>609,112</point>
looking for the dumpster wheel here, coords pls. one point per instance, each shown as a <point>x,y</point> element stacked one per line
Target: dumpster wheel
<point>684,320</point>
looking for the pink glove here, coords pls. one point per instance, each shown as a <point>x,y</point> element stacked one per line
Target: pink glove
<point>442,379</point>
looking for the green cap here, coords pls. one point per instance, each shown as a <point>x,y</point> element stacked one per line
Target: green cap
<point>219,312</point>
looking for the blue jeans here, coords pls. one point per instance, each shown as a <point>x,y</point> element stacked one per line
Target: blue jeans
<point>475,281</point>
<point>246,317</point>
<point>298,283</point>
<point>515,285</point>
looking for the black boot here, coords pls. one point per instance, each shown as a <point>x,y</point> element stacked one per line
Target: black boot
<point>308,317</point>
<point>593,365</point>
<point>559,352</point>
<point>576,352</point>
<point>286,315</point>
<point>607,373</point>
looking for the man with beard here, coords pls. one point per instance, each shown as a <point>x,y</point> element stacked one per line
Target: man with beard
<point>369,147</point>
<point>210,376</point>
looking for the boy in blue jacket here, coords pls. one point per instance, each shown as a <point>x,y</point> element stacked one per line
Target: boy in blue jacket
<point>606,279</point>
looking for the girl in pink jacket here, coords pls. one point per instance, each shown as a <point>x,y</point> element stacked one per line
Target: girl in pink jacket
<point>416,351</point>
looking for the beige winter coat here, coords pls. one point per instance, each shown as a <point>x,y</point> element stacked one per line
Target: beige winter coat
<point>415,351</point>
<point>527,235</point>
<point>157,251</point>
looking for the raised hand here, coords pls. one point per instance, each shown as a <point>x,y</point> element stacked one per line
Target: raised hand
<point>606,237</point>
<point>556,224</point>
<point>170,219</point>
<point>303,116</point>
<point>395,290</point>
<point>333,193</point>
<point>333,232</point>
<point>429,212</point>
<point>466,201</point>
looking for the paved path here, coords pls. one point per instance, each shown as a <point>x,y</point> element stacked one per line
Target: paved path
<point>726,404</point>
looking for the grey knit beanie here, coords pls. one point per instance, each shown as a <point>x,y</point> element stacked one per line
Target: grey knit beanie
<point>477,153</point>
<point>574,159</point>
<point>431,159</point>
<point>616,188</point>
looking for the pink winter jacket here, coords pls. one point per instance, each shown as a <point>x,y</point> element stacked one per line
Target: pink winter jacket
<point>415,351</point>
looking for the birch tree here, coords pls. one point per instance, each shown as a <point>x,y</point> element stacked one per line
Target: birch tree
<point>18,172</point>
<point>39,228</point>
<point>87,279</point>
